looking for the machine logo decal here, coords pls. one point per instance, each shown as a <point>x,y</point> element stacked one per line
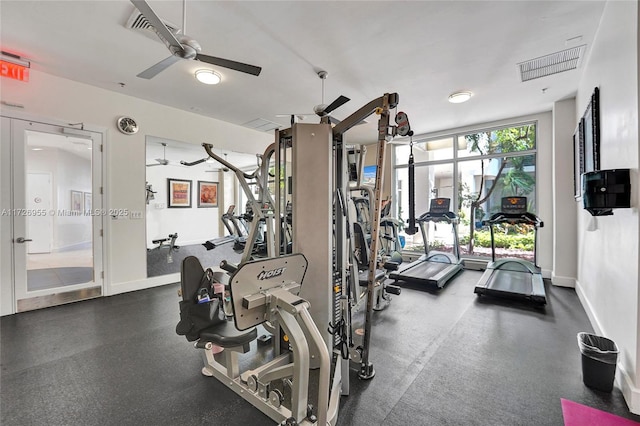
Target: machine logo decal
<point>265,275</point>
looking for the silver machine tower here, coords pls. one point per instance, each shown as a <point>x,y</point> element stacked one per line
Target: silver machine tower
<point>313,172</point>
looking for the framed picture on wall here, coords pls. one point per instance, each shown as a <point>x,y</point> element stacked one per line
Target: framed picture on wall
<point>207,194</point>
<point>87,201</point>
<point>178,193</point>
<point>76,201</point>
<point>591,132</point>
<point>578,159</point>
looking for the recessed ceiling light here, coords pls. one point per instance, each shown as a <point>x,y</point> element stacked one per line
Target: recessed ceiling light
<point>459,97</point>
<point>208,76</point>
<point>36,149</point>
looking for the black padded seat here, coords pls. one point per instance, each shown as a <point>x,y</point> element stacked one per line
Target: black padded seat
<point>226,335</point>
<point>223,334</point>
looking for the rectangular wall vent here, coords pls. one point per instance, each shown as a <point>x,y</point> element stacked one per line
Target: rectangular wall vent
<point>554,63</point>
<point>262,125</point>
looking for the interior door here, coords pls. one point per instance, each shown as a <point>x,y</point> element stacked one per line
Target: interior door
<point>56,218</point>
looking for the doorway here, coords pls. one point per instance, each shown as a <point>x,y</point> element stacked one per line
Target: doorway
<point>54,214</point>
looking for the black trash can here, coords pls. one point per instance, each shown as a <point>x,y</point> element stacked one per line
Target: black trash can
<point>599,358</point>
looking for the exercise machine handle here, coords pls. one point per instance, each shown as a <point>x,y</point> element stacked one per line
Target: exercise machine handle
<point>229,267</point>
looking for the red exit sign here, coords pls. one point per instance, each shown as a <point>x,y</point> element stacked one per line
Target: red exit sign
<point>17,72</point>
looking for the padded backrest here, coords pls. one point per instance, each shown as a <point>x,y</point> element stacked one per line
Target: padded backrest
<point>196,317</point>
<point>191,273</point>
<point>361,244</point>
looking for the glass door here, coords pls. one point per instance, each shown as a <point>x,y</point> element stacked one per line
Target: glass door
<point>56,214</point>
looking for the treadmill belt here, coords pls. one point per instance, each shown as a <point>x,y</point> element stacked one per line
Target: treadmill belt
<point>513,282</point>
<point>422,271</point>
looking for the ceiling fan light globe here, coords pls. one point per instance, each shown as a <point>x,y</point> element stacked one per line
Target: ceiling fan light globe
<point>208,76</point>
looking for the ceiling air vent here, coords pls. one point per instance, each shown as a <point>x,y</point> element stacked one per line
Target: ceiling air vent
<point>554,63</point>
<point>262,125</point>
<point>138,23</point>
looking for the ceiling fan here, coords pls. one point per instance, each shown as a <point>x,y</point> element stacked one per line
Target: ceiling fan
<point>182,46</point>
<point>322,109</point>
<point>161,161</point>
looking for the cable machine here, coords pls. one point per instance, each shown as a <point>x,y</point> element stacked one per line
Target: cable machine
<point>315,316</point>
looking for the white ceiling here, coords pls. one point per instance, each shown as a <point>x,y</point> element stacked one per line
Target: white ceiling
<point>423,50</point>
<point>50,143</point>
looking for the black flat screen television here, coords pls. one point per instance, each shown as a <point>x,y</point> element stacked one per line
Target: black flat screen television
<point>606,189</point>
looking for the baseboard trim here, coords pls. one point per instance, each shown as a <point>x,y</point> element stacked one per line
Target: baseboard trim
<point>629,391</point>
<point>588,308</point>
<point>563,281</point>
<point>143,284</point>
<point>623,380</point>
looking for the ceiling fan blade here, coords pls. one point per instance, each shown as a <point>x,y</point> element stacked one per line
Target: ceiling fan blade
<point>159,67</point>
<point>159,27</point>
<point>233,65</point>
<point>153,165</point>
<point>336,104</point>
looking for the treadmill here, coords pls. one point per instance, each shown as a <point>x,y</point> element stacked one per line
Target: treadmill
<point>228,219</point>
<point>433,268</point>
<point>510,277</point>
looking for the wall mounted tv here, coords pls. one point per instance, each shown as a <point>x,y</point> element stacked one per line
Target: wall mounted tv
<point>604,190</point>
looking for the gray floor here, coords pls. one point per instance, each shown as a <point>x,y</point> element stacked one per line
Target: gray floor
<point>158,260</point>
<point>441,358</point>
<point>41,279</point>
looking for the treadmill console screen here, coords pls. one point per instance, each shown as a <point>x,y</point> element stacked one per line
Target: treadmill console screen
<point>439,206</point>
<point>514,205</point>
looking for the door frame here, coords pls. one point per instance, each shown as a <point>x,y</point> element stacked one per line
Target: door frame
<point>8,294</point>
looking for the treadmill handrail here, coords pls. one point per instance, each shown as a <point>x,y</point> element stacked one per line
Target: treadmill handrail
<point>514,218</point>
<point>449,217</point>
<point>445,217</point>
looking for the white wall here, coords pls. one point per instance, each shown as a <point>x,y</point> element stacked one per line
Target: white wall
<point>194,225</point>
<point>608,257</point>
<point>55,98</point>
<point>69,172</point>
<point>564,269</point>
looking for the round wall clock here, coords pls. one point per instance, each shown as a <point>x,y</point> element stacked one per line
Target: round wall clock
<point>127,125</point>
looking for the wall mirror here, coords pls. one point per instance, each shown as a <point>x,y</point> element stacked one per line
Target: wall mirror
<point>184,204</point>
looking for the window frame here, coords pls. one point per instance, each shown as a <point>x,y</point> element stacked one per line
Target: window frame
<point>456,135</point>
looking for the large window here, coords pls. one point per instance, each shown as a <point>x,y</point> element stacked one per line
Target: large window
<point>482,167</point>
